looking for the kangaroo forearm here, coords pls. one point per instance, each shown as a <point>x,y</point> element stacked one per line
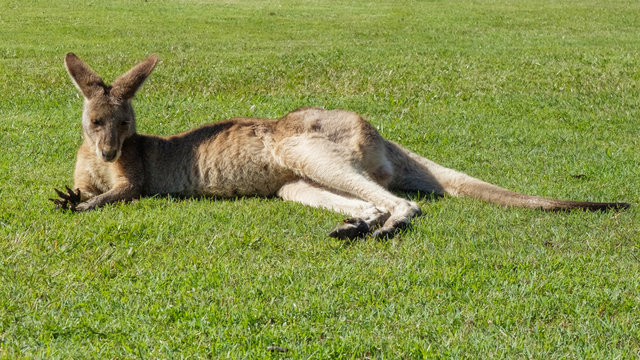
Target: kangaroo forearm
<point>120,193</point>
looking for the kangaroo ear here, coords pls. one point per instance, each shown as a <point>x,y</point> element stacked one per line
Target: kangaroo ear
<point>85,79</point>
<point>126,85</point>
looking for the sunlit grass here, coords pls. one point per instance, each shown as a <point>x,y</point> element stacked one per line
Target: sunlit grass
<point>539,97</point>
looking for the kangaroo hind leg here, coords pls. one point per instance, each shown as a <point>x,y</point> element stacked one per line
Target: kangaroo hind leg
<point>337,168</point>
<point>410,174</point>
<point>365,215</point>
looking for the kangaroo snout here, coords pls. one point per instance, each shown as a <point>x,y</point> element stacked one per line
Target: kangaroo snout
<point>109,155</point>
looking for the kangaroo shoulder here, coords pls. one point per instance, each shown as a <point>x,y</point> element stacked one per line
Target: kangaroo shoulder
<point>84,151</point>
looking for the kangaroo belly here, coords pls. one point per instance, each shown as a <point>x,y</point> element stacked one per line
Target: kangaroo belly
<point>227,176</point>
<point>238,165</point>
<point>223,159</point>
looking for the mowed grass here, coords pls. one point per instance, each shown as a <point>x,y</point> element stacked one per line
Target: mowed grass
<point>540,97</point>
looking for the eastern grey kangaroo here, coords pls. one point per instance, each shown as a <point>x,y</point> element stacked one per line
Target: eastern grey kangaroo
<point>324,158</point>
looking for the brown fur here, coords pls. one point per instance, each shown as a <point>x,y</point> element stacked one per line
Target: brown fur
<point>325,158</point>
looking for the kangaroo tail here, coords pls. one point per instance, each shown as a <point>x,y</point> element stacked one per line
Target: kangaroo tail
<point>481,190</point>
<point>418,173</point>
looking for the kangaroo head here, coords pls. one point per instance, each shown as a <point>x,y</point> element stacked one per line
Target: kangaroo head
<point>108,118</point>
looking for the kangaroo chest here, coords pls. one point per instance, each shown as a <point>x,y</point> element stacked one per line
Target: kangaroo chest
<point>101,174</point>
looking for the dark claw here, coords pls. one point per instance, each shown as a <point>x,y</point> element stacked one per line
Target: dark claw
<point>58,202</point>
<point>60,193</point>
<point>74,196</point>
<point>352,228</point>
<point>68,200</point>
<point>388,232</point>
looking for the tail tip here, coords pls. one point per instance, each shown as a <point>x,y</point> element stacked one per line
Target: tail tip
<point>615,206</point>
<point>622,205</point>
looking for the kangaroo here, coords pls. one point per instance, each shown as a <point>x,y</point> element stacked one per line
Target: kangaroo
<point>332,159</point>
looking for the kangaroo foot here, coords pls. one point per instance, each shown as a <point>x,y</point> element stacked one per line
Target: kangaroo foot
<point>68,200</point>
<point>398,222</point>
<point>352,228</point>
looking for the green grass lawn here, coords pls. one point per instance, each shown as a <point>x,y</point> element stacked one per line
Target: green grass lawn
<point>540,97</point>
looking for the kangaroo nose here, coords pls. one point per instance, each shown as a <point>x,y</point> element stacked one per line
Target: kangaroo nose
<point>109,155</point>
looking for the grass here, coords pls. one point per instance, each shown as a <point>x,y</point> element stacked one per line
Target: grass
<point>540,97</point>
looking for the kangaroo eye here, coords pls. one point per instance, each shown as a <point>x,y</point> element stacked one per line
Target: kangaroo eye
<point>125,123</point>
<point>97,122</point>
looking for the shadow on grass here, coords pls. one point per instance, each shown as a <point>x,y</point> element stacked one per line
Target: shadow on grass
<point>416,196</point>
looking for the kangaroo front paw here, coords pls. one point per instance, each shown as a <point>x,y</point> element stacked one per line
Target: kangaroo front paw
<point>352,228</point>
<point>68,200</point>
